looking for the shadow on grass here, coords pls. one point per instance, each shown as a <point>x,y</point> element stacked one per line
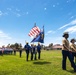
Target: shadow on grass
<point>4,72</point>
<point>71,71</point>
<point>42,63</point>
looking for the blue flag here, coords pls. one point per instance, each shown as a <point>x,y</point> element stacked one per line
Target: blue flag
<point>40,37</point>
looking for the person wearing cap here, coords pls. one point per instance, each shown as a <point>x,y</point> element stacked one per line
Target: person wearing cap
<point>39,50</point>
<point>66,52</point>
<point>33,52</point>
<point>27,49</point>
<point>73,48</point>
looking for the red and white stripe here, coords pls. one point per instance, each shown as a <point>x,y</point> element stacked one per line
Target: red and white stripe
<point>34,31</point>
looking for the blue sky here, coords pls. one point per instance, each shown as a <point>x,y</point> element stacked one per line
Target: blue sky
<point>17,17</point>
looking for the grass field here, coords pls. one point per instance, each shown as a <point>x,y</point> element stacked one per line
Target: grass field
<point>50,64</point>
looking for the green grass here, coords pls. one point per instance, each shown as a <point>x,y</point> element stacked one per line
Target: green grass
<point>50,64</point>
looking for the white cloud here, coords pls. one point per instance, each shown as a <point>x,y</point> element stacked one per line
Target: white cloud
<point>4,38</point>
<point>63,26</point>
<point>72,17</point>
<point>57,40</point>
<point>50,31</point>
<point>17,10</point>
<point>46,34</point>
<point>1,13</point>
<point>71,29</point>
<point>4,35</point>
<point>18,15</point>
<point>6,13</point>
<point>54,40</point>
<point>54,5</point>
<point>71,23</point>
<point>27,13</point>
<point>45,8</point>
<point>14,11</point>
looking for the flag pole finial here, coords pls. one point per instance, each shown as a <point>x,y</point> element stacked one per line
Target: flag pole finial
<point>35,24</point>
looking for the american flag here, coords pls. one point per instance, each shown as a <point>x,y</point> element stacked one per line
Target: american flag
<point>34,31</point>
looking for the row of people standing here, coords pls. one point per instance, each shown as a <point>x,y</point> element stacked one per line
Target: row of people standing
<point>19,49</point>
<point>68,51</point>
<point>33,50</point>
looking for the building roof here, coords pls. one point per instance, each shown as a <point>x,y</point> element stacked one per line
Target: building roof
<point>57,46</point>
